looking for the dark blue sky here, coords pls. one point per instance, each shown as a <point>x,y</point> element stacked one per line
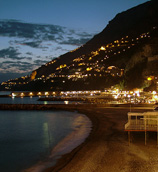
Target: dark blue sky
<point>77,21</point>
<point>91,15</point>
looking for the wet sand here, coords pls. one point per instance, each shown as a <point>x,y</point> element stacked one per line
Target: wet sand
<point>107,148</point>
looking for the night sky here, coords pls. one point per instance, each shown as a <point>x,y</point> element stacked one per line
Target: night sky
<point>74,23</point>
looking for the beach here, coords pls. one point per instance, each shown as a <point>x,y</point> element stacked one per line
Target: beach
<point>107,148</point>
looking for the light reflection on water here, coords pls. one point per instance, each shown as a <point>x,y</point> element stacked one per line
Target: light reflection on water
<point>29,100</point>
<point>46,135</point>
<point>29,136</point>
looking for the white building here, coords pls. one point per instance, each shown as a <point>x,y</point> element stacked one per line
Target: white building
<point>137,122</point>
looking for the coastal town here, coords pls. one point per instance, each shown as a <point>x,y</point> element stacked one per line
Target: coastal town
<point>92,109</point>
<point>88,67</point>
<point>112,96</point>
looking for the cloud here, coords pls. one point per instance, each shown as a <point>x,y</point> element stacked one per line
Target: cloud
<point>85,34</point>
<point>49,37</point>
<point>40,33</point>
<point>48,57</point>
<point>15,28</point>
<point>28,58</point>
<point>10,53</point>
<point>15,67</point>
<point>39,62</point>
<point>25,67</point>
<point>29,53</point>
<point>17,63</point>
<point>74,41</point>
<point>60,48</point>
<point>71,31</point>
<point>35,44</point>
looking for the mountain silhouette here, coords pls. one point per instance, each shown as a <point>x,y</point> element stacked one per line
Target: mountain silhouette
<point>124,55</point>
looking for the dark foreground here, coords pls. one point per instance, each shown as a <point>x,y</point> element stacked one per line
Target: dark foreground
<point>107,148</point>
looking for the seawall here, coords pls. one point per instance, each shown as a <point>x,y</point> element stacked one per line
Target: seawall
<point>64,106</point>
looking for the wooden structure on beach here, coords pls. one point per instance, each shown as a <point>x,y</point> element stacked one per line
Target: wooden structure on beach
<point>142,122</point>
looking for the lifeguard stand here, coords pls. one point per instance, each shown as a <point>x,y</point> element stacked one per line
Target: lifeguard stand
<point>147,121</point>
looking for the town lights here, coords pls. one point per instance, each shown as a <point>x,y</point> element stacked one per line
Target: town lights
<point>31,94</point>
<point>66,102</point>
<point>39,93</point>
<point>22,95</point>
<point>46,94</point>
<point>149,78</point>
<point>13,95</point>
<point>154,92</point>
<point>102,48</point>
<point>115,97</point>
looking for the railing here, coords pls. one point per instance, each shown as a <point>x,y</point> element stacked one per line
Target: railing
<point>141,125</point>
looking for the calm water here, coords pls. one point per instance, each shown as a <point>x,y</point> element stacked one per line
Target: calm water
<point>27,137</point>
<point>29,100</point>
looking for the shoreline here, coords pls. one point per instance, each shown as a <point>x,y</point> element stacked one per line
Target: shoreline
<point>106,148</point>
<point>81,129</point>
<point>66,158</point>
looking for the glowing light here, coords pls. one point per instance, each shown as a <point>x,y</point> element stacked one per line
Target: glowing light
<point>89,69</point>
<point>66,102</point>
<point>138,94</point>
<point>154,92</point>
<point>117,41</point>
<point>110,67</point>
<point>39,93</point>
<point>149,78</point>
<point>102,48</point>
<point>45,102</point>
<point>22,94</point>
<point>13,95</point>
<point>46,94</point>
<point>115,97</point>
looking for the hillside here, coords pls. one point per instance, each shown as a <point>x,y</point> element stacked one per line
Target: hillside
<point>24,47</point>
<point>124,54</point>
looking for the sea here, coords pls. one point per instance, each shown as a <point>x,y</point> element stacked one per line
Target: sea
<point>31,141</point>
<point>31,100</point>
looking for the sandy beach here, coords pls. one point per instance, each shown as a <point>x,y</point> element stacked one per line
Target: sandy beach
<point>107,148</point>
